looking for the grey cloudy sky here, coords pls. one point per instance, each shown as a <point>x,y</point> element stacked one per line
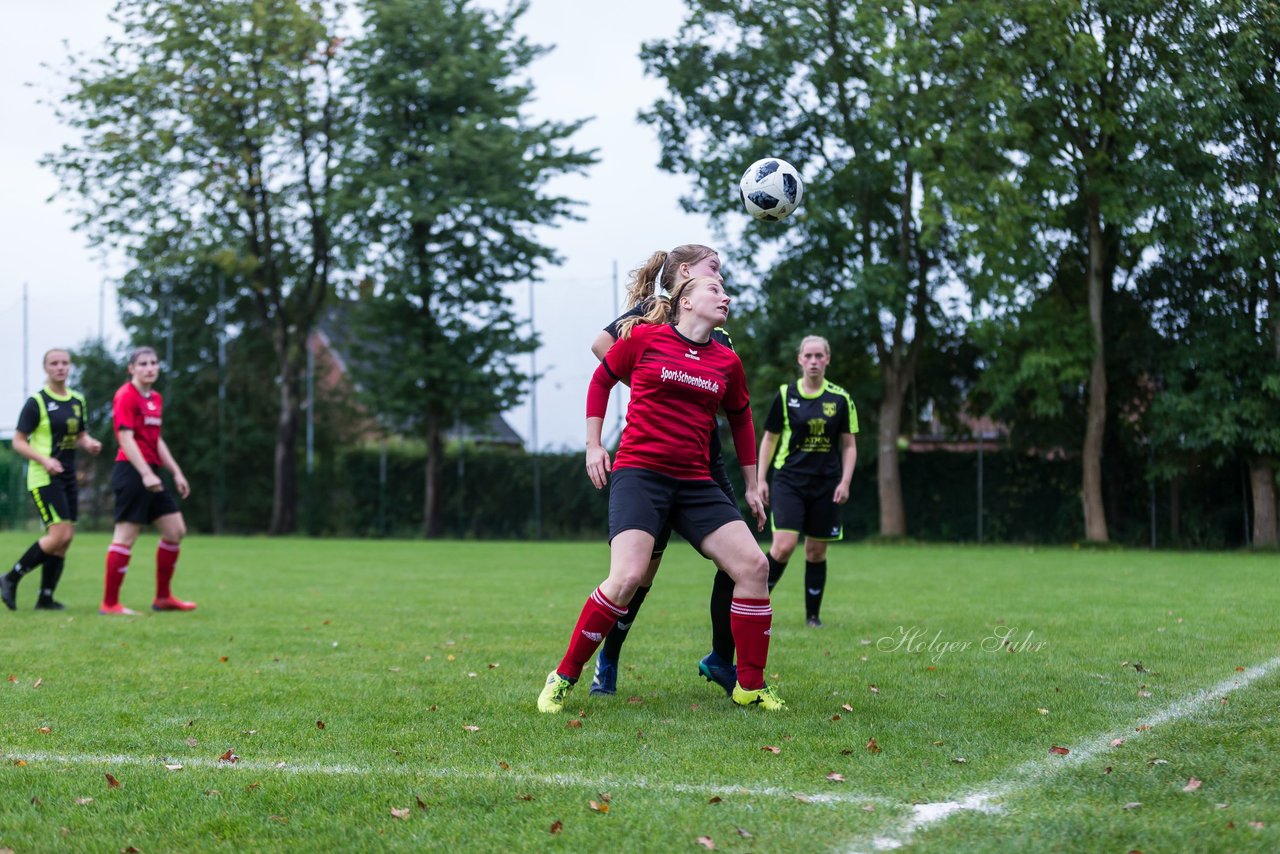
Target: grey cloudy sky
<point>631,209</point>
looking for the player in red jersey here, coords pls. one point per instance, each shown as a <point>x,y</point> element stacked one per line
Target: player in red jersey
<point>659,274</point>
<point>680,377</point>
<point>141,499</point>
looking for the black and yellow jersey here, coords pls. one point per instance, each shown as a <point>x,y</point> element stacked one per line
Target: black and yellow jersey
<point>810,428</point>
<point>52,424</point>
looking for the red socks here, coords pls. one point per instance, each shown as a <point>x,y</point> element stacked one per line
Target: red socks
<point>166,562</point>
<point>117,566</point>
<point>751,621</point>
<point>596,620</point>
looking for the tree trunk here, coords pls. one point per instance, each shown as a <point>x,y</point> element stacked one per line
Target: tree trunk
<point>284,498</point>
<point>893,517</point>
<point>1175,511</point>
<point>431,480</point>
<point>1095,517</point>
<point>1266,526</point>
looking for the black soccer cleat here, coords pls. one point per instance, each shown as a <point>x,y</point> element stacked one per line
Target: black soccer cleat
<point>8,592</point>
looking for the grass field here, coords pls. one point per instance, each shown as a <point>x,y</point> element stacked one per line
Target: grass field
<point>356,680</point>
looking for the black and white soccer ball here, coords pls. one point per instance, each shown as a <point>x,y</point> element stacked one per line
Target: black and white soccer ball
<point>771,189</point>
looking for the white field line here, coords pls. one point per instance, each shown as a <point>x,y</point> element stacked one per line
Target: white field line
<point>1036,771</point>
<point>562,780</point>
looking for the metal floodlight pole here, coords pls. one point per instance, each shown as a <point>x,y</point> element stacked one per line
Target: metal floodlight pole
<point>220,497</point>
<point>25,343</point>
<point>533,423</point>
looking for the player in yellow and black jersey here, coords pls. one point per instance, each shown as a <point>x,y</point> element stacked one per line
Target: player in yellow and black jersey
<point>809,435</point>
<point>50,429</point>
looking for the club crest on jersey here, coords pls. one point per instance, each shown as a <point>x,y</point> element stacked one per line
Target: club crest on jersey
<point>692,354</point>
<point>828,409</point>
<point>793,403</point>
<point>53,406</point>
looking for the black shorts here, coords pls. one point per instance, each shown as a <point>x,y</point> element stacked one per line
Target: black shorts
<point>804,505</point>
<point>59,501</point>
<point>721,476</point>
<point>645,500</point>
<point>134,502</point>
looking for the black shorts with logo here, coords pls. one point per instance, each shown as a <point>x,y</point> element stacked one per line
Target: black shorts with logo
<point>640,499</point>
<point>134,502</point>
<point>721,476</point>
<point>804,505</point>
<point>59,500</point>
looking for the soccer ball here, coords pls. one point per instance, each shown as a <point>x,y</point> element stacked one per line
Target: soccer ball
<point>771,189</point>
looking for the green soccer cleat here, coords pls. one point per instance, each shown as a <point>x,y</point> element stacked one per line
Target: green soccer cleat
<point>553,695</point>
<point>766,698</point>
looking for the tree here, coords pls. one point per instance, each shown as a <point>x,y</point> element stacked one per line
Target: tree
<point>213,128</point>
<point>845,91</point>
<point>1067,101</point>
<point>1217,286</point>
<point>453,180</point>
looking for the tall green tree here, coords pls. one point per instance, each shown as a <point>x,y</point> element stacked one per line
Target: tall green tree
<point>846,92</point>
<point>1064,106</point>
<point>1217,286</point>
<point>453,179</point>
<point>215,128</point>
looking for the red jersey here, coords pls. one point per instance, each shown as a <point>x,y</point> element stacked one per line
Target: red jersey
<point>142,415</point>
<point>677,386</point>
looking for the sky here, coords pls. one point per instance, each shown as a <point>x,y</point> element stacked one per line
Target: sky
<point>631,207</point>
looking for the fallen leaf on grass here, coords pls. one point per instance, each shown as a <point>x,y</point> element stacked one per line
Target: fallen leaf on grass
<point>937,744</point>
<point>1116,742</point>
<point>83,801</point>
<point>743,832</point>
<point>173,767</point>
<point>1106,770</point>
<point>1043,711</point>
<point>471,728</point>
<point>1257,825</point>
<point>1132,805</point>
<point>556,826</point>
<point>573,723</point>
<point>1238,670</point>
<point>504,766</point>
<point>44,730</point>
<point>1222,806</point>
<point>1142,727</point>
<point>835,717</point>
<point>959,760</point>
<point>401,813</point>
<point>1192,785</point>
<point>846,753</point>
<point>802,799</point>
<point>1061,751</point>
<point>192,742</point>
<point>422,805</point>
<point>641,700</point>
<point>35,801</point>
<point>715,800</point>
<point>835,778</point>
<point>13,678</point>
<point>596,806</point>
<point>494,666</point>
<point>1144,694</point>
<point>706,842</point>
<point>112,782</point>
<point>256,784</point>
<point>229,757</point>
<point>1158,762</point>
<point>212,793</point>
<point>223,659</point>
<point>319,724</point>
<point>279,819</point>
<point>21,763</point>
<point>846,707</point>
<point>872,746</point>
<point>873,689</point>
<point>774,750</point>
